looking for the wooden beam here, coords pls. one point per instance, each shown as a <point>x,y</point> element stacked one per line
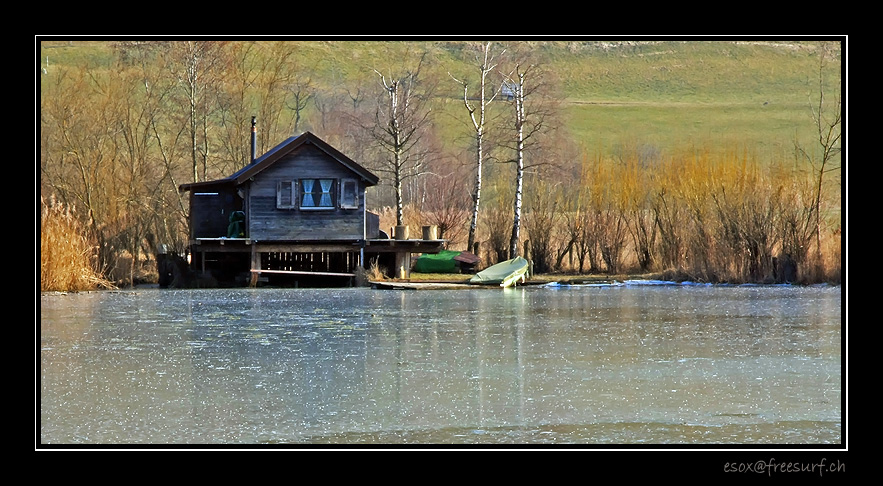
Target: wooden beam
<point>298,272</point>
<point>396,246</point>
<point>234,245</point>
<point>306,248</point>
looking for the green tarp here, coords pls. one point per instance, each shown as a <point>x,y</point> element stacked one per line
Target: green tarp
<point>236,228</point>
<point>441,262</point>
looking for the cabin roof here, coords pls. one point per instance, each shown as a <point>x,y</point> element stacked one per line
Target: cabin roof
<point>276,153</point>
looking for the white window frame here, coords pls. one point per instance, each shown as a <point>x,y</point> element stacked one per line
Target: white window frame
<point>317,183</point>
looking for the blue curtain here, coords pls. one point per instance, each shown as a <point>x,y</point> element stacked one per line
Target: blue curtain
<point>308,193</point>
<point>326,193</point>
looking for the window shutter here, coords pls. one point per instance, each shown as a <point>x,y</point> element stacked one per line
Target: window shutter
<point>349,196</point>
<point>285,194</point>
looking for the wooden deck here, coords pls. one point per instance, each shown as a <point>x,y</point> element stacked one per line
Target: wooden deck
<point>317,258</point>
<point>371,245</point>
<point>409,285</point>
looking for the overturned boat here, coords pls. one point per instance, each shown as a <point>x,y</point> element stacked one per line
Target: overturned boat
<point>504,274</point>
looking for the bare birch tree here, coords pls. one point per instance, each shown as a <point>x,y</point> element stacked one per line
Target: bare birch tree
<point>528,121</point>
<point>486,65</point>
<point>400,121</point>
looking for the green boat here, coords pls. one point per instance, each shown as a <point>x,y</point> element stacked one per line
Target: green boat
<point>446,261</point>
<point>504,273</point>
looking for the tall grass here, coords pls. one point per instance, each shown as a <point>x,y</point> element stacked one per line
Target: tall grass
<point>67,257</point>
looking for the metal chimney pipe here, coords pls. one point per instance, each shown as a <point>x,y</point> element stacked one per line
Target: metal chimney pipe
<point>253,138</point>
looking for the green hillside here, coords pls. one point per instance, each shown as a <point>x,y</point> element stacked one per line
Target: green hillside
<point>665,93</point>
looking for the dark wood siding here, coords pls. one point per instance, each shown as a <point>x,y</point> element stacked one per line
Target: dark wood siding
<point>210,212</point>
<point>267,222</point>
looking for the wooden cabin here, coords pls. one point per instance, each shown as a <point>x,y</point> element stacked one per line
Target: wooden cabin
<point>295,215</point>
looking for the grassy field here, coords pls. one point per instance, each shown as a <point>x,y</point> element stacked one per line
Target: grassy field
<point>666,93</point>
<point>676,95</point>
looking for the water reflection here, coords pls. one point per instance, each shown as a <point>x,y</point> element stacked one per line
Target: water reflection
<point>359,366</point>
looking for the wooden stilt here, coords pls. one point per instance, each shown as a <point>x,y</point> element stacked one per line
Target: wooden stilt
<point>255,266</point>
<point>403,264</point>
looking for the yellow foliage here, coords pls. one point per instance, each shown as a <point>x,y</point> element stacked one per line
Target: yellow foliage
<point>715,215</point>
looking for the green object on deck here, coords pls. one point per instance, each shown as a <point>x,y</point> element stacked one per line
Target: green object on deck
<point>236,228</point>
<point>441,262</point>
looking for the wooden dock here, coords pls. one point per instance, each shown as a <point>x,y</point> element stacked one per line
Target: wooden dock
<point>398,285</point>
<point>407,285</point>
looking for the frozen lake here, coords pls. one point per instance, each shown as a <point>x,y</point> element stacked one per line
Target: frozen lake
<point>640,364</point>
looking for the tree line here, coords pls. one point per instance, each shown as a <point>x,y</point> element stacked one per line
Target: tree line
<point>116,140</point>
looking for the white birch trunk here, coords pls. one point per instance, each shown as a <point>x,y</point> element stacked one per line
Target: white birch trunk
<point>478,124</point>
<point>519,170</point>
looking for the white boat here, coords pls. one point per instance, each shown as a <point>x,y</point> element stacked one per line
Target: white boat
<point>504,273</point>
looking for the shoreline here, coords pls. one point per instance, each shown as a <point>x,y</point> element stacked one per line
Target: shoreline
<point>436,281</point>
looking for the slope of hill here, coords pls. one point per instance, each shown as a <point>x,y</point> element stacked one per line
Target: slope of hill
<point>664,93</point>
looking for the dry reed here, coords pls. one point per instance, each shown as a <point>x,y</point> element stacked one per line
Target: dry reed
<point>66,255</point>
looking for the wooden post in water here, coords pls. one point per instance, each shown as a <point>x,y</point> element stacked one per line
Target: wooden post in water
<point>527,257</point>
<point>255,265</point>
<point>403,258</point>
<point>403,264</point>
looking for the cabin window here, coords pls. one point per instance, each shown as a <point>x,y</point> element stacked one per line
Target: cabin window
<point>349,196</point>
<point>316,194</point>
<point>286,194</point>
